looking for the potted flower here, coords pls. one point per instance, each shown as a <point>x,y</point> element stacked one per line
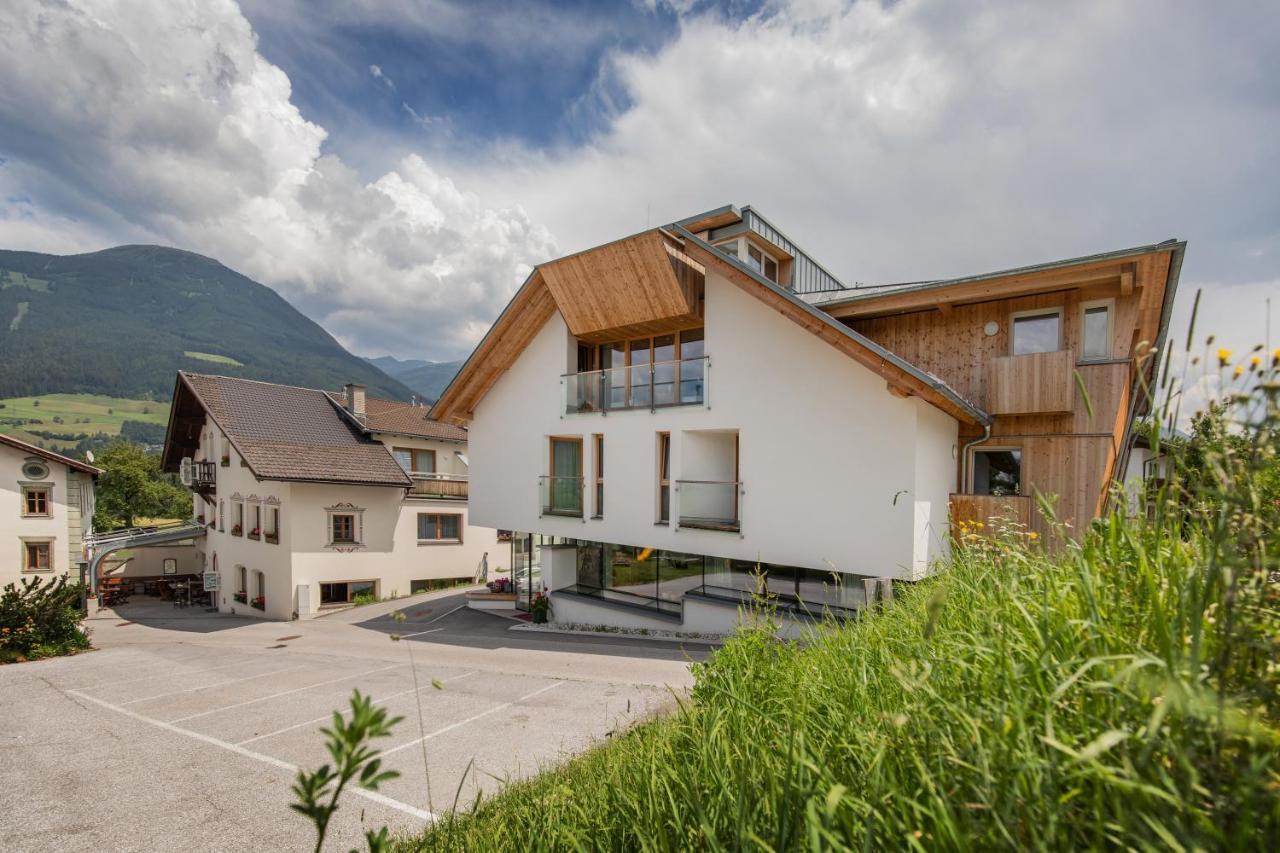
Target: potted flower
<point>259,603</point>
<point>255,533</point>
<point>540,607</point>
<point>241,597</point>
<point>236,530</point>
<point>273,538</point>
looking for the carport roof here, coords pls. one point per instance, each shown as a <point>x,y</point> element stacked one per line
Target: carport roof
<point>281,431</point>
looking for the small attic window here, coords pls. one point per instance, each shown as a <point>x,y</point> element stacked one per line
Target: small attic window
<point>762,262</point>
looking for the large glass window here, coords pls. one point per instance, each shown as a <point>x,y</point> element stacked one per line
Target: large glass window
<point>1037,332</point>
<point>641,363</point>
<point>997,472</point>
<point>664,370</point>
<point>692,366</point>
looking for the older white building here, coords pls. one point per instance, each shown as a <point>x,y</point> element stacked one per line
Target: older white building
<point>311,499</point>
<point>46,511</point>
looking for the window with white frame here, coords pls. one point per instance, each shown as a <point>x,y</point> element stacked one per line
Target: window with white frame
<point>1095,329</point>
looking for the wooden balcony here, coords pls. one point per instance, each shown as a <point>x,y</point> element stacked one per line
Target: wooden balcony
<point>437,486</point>
<point>1035,384</point>
<point>204,477</point>
<point>983,508</point>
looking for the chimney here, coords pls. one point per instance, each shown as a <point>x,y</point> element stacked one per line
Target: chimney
<point>355,399</point>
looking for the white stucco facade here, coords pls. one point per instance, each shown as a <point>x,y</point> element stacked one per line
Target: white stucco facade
<point>288,573</point>
<point>836,472</point>
<point>68,515</point>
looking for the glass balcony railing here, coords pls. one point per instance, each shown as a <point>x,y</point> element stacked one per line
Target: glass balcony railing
<point>560,496</point>
<point>710,504</point>
<point>640,386</point>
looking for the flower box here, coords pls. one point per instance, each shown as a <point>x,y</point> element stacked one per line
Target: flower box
<point>236,530</point>
<point>255,533</point>
<point>226,462</point>
<point>259,603</point>
<point>241,597</point>
<point>273,538</point>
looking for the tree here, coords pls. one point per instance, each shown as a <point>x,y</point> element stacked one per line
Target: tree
<point>133,486</point>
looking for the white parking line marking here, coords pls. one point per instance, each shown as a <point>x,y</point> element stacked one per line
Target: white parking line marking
<point>211,686</point>
<point>329,716</point>
<point>420,633</point>
<point>243,662</point>
<point>421,814</point>
<point>450,728</point>
<point>285,693</point>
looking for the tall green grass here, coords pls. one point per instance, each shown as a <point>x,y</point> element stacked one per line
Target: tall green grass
<point>1122,691</point>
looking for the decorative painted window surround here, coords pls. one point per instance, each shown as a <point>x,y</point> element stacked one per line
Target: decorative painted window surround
<point>37,500</point>
<point>337,523</point>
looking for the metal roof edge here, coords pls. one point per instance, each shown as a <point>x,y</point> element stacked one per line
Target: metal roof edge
<point>1118,254</point>
<point>929,379</point>
<point>804,252</point>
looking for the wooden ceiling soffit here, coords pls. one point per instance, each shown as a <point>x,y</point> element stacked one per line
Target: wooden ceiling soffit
<point>902,383</point>
<point>1005,287</point>
<point>641,285</point>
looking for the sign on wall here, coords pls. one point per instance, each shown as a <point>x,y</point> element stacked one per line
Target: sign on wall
<point>210,581</point>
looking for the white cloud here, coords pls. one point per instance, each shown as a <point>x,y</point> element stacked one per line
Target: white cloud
<point>165,124</point>
<point>893,141</point>
<point>377,73</point>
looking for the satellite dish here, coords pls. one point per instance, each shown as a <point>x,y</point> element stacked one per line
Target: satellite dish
<point>88,454</point>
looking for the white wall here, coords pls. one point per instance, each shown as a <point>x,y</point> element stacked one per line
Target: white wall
<point>936,472</point>
<point>824,449</point>
<point>14,527</point>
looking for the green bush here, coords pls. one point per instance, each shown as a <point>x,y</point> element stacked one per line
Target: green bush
<point>1119,691</point>
<point>41,618</point>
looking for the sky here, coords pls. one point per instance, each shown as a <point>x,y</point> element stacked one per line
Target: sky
<point>395,168</point>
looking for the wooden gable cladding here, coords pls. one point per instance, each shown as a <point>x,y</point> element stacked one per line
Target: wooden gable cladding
<point>642,285</point>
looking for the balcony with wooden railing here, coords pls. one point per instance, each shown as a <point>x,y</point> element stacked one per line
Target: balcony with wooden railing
<point>1033,384</point>
<point>439,486</point>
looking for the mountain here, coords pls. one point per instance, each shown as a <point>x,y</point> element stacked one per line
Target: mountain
<point>122,321</point>
<point>427,378</point>
<point>393,366</point>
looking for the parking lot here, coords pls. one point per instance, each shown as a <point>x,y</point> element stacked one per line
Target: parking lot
<point>185,732</point>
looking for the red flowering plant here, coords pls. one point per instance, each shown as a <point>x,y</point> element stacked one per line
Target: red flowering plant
<point>540,607</point>
<point>260,602</point>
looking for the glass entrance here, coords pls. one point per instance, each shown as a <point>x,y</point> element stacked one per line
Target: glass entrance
<point>526,570</point>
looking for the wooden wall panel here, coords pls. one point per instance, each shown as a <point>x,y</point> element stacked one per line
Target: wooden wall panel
<point>1037,383</point>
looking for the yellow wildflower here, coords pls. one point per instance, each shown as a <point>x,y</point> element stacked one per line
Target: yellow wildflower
<point>1275,356</point>
<point>1224,355</point>
<point>1255,362</point>
<point>1239,371</point>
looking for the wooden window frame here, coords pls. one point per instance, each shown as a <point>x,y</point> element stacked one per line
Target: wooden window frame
<point>348,583</point>
<point>664,475</point>
<point>333,537</point>
<point>29,489</point>
<point>413,458</point>
<point>597,363</point>
<point>1085,308</point>
<point>998,448</point>
<point>597,493</point>
<point>439,539</point>
<point>26,544</point>
<point>1036,312</point>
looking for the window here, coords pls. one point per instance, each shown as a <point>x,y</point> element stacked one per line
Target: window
<point>1096,330</point>
<point>439,527</point>
<point>35,501</point>
<point>664,370</point>
<point>242,579</point>
<point>762,262</point>
<point>1037,331</point>
<point>272,532</point>
<point>222,518</point>
<point>256,530</point>
<point>664,477</point>
<point>346,591</point>
<point>35,469</point>
<point>729,247</point>
<point>37,555</point>
<point>414,460</point>
<point>997,472</point>
<point>564,484</point>
<point>598,445</point>
<point>342,528</point>
<point>237,518</point>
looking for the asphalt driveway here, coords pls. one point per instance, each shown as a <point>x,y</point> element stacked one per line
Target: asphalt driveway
<point>185,730</point>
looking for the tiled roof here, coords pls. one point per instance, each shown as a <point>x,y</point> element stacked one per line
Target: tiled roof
<point>288,433</point>
<point>403,419</point>
<point>24,447</point>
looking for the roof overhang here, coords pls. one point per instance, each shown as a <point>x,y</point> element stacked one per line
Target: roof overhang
<point>642,284</point>
<point>50,455</point>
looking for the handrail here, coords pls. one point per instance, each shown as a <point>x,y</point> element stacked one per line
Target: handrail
<point>714,482</point>
<point>641,366</point>
<point>433,475</point>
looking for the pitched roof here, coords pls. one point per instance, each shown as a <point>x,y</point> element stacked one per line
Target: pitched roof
<point>392,416</point>
<point>534,303</point>
<point>282,432</point>
<point>24,447</point>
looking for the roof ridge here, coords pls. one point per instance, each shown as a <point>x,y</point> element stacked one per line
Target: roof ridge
<point>51,455</point>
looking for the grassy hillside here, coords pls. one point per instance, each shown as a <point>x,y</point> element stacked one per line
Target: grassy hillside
<point>1117,693</point>
<point>61,421</point>
<point>123,321</point>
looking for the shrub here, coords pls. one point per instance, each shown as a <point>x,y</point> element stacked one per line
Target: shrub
<point>40,618</point>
